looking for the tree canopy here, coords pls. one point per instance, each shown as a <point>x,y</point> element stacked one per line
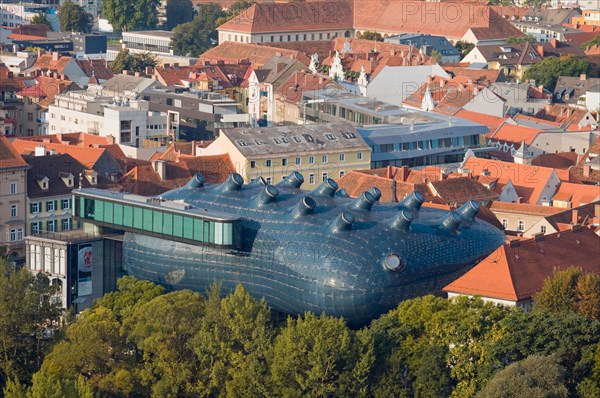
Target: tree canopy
<point>520,39</point>
<point>236,9</point>
<point>548,71</point>
<point>179,12</point>
<point>129,15</point>
<point>370,35</point>
<point>74,18</point>
<point>591,43</point>
<point>141,341</point>
<point>464,47</point>
<point>132,62</point>
<point>199,35</point>
<point>41,19</point>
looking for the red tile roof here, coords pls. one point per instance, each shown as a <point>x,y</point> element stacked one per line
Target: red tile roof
<point>577,194</point>
<point>87,156</point>
<point>529,181</point>
<point>513,134</point>
<point>566,117</point>
<point>524,208</point>
<point>450,96</point>
<point>52,62</point>
<point>492,122</point>
<point>443,19</point>
<point>292,17</point>
<point>481,76</point>
<point>9,156</point>
<point>257,55</point>
<point>97,68</point>
<point>459,190</point>
<point>517,273</point>
<point>18,37</point>
<point>561,160</point>
<point>45,89</point>
<point>291,90</point>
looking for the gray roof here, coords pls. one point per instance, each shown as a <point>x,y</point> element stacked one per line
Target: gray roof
<point>127,84</point>
<point>303,139</point>
<point>438,43</point>
<point>553,16</point>
<point>574,86</point>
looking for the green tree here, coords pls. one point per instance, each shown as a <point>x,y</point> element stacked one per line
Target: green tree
<point>132,62</point>
<point>163,329</point>
<point>179,12</point>
<point>29,322</point>
<point>131,294</point>
<point>566,335</point>
<point>536,4</point>
<point>195,37</point>
<point>590,386</point>
<point>236,9</point>
<point>432,375</point>
<point>73,18</point>
<point>128,15</point>
<point>520,39</point>
<point>318,357</point>
<point>464,47</point>
<point>571,290</point>
<point>41,19</point>
<point>233,344</point>
<point>548,71</point>
<point>591,43</point>
<point>370,35</point>
<point>436,56</point>
<point>535,376</point>
<point>14,389</point>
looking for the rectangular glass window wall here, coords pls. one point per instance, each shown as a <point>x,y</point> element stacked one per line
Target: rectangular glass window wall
<point>158,221</point>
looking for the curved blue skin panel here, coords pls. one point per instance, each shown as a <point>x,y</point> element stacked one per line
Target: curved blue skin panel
<point>309,260</point>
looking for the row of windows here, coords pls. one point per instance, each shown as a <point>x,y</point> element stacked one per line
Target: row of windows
<point>521,226</point>
<point>290,37</point>
<point>14,235</point>
<point>51,205</point>
<point>157,221</point>
<point>51,226</point>
<point>454,142</point>
<point>311,160</point>
<point>47,259</point>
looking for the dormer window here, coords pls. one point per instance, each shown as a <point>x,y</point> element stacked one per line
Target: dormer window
<point>68,179</point>
<point>91,176</point>
<point>44,183</point>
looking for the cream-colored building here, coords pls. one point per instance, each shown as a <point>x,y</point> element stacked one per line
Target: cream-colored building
<point>13,182</point>
<point>317,151</point>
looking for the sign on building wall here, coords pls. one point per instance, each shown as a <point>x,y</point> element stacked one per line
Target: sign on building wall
<point>84,270</point>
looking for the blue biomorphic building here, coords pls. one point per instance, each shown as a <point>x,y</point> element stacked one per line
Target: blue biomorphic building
<point>318,251</point>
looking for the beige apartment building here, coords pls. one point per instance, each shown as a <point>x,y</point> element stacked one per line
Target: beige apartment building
<point>13,180</point>
<point>318,152</point>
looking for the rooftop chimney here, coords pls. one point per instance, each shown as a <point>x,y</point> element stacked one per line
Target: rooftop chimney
<point>137,74</point>
<point>160,168</point>
<point>539,237</point>
<point>554,43</point>
<point>514,243</point>
<point>583,76</point>
<point>540,50</point>
<point>587,169</point>
<point>575,216</point>
<point>55,56</point>
<point>40,150</point>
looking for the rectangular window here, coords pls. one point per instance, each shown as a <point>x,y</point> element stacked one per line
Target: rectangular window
<point>13,188</point>
<point>252,164</point>
<point>13,235</point>
<point>65,204</point>
<point>268,163</point>
<point>36,227</point>
<point>268,180</point>
<point>505,223</point>
<point>311,178</point>
<point>342,157</point>
<point>20,234</point>
<point>34,207</point>
<point>543,229</point>
<point>521,226</point>
<point>51,205</point>
<point>359,156</point>
<point>51,226</point>
<point>325,159</point>
<point>342,172</point>
<point>311,159</point>
<point>298,161</point>
<point>66,224</point>
<point>13,210</point>
<point>284,162</point>
<point>325,176</point>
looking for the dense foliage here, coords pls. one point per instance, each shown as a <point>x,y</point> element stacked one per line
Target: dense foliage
<point>234,10</point>
<point>143,342</point>
<point>132,62</point>
<point>370,35</point>
<point>130,15</point>
<point>195,37</point>
<point>74,18</point>
<point>178,12</point>
<point>464,47</point>
<point>41,20</point>
<point>591,43</point>
<point>520,39</point>
<point>548,71</point>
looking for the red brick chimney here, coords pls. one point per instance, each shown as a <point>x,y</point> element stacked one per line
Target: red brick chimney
<point>388,172</point>
<point>540,50</point>
<point>554,43</point>
<point>587,169</point>
<point>574,216</point>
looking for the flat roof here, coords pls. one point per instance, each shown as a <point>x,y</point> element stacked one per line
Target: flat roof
<point>178,207</point>
<point>165,34</point>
